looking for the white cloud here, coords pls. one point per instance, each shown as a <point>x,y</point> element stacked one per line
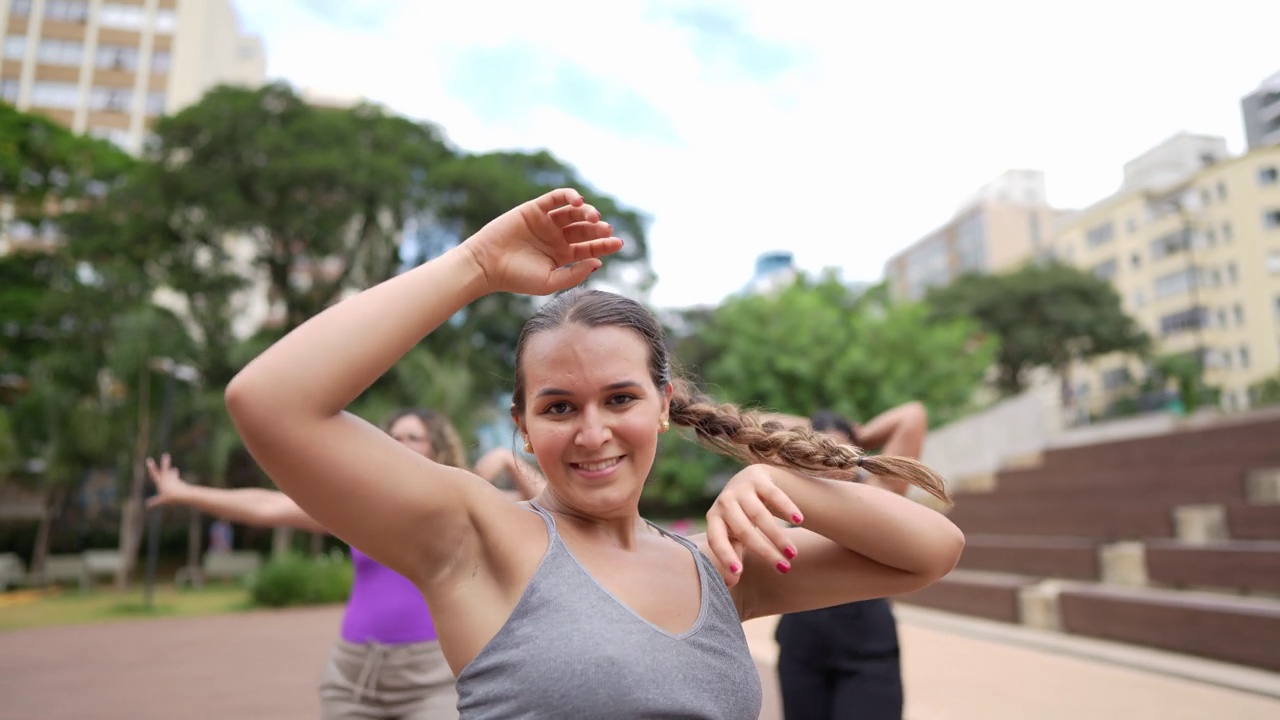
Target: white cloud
<point>884,118</point>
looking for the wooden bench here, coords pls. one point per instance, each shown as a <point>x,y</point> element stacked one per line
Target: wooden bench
<point>1249,566</point>
<point>101,564</point>
<point>230,565</point>
<point>1253,522</point>
<point>980,594</point>
<point>1236,630</point>
<point>1073,558</point>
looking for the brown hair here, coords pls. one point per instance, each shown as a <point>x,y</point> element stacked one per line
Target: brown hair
<point>446,446</point>
<point>723,427</point>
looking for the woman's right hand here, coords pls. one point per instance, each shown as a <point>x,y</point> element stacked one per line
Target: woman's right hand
<point>169,484</point>
<point>545,245</point>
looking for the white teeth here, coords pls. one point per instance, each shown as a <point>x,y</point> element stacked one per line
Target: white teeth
<point>597,466</point>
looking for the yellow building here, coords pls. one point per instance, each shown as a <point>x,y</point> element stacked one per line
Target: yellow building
<point>1007,222</point>
<point>1192,245</point>
<point>110,67</point>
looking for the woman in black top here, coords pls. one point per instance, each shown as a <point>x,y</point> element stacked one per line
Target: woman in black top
<point>842,662</point>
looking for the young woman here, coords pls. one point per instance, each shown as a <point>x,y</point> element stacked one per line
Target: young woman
<point>387,662</point>
<point>572,605</point>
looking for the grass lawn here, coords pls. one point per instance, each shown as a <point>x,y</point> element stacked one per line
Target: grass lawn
<point>43,608</point>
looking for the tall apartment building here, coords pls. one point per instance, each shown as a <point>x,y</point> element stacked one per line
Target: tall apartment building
<point>110,67</point>
<point>1191,243</point>
<point>1261,111</point>
<point>1007,222</point>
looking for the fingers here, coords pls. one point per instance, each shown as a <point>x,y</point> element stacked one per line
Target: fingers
<point>570,214</point>
<point>752,523</point>
<point>726,553</point>
<point>558,198</point>
<point>563,278</point>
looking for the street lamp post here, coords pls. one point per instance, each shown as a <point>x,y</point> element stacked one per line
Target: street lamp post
<point>173,373</point>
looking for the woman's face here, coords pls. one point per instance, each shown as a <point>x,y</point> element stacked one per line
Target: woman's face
<point>592,415</point>
<point>411,432</point>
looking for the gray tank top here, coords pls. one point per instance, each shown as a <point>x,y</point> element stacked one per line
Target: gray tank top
<point>571,650</point>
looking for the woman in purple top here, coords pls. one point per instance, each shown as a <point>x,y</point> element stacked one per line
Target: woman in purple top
<point>387,661</point>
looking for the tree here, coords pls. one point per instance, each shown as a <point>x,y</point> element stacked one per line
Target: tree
<point>819,344</point>
<point>1044,315</point>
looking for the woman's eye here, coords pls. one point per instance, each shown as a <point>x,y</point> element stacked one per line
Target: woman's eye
<point>557,409</point>
<point>621,399</point>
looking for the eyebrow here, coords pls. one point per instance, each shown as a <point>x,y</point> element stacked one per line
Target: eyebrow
<point>620,385</point>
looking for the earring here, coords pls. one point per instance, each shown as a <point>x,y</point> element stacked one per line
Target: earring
<point>528,446</point>
<point>665,425</point>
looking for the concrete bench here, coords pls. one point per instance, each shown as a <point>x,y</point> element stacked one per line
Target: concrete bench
<point>63,569</point>
<point>222,566</point>
<point>101,563</point>
<point>13,572</point>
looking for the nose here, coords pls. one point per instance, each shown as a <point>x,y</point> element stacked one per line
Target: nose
<point>593,432</point>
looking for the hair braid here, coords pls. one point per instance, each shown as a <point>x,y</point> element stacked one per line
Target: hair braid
<point>742,435</point>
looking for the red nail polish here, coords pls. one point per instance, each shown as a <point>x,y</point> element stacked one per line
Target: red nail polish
<point>734,569</point>
<point>784,567</point>
<point>797,518</point>
<point>790,553</point>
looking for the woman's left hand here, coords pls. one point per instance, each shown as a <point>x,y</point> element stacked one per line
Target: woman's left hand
<point>743,519</point>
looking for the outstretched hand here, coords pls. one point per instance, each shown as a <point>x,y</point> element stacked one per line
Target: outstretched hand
<point>743,519</point>
<point>545,245</point>
<point>168,482</point>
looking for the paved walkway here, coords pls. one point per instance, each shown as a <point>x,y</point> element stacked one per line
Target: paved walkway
<point>265,665</point>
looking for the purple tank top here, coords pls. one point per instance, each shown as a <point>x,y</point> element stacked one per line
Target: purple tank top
<point>384,606</point>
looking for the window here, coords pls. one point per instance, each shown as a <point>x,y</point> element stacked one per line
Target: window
<point>1222,317</point>
<point>1174,242</point>
<point>1271,219</point>
<point>1132,225</point>
<point>1238,312</point>
<point>1183,321</point>
<point>1135,261</point>
<point>1106,270</point>
<point>155,103</point>
<point>21,8</point>
<point>1268,176</point>
<point>1100,235</point>
<point>1206,197</point>
<point>1215,277</point>
<point>1226,232</point>
<point>1033,221</point>
<point>108,99</point>
<point>160,61</point>
<point>1225,362</point>
<point>166,20</point>
<point>9,91</point>
<point>1277,307</point>
<point>125,17</point>
<point>1139,299</point>
<point>1179,282</point>
<point>1244,357</point>
<point>66,10</point>
<point>1115,379</point>
<point>60,52</point>
<point>1222,190</point>
<point>1233,275</point>
<point>55,95</point>
<point>971,242</point>
<point>117,57</point>
<point>15,47</point>
<point>1273,261</point>
<point>118,136</point>
<point>1210,238</point>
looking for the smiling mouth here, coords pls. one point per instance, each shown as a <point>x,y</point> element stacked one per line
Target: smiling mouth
<point>598,465</point>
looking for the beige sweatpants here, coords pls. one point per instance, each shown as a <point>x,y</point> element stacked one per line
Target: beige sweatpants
<point>387,682</point>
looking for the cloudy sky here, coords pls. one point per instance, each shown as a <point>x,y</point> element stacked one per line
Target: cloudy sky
<point>842,133</point>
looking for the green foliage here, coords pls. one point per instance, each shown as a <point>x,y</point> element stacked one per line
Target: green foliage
<point>818,344</point>
<point>1044,315</point>
<point>295,579</point>
<point>1266,392</point>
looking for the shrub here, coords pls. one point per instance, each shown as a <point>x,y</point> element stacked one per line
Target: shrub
<point>299,580</point>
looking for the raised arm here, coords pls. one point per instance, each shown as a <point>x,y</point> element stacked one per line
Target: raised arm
<point>499,461</point>
<point>247,506</point>
<point>409,513</point>
<point>899,431</point>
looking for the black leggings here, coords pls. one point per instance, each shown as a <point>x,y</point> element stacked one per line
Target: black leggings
<point>840,664</point>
